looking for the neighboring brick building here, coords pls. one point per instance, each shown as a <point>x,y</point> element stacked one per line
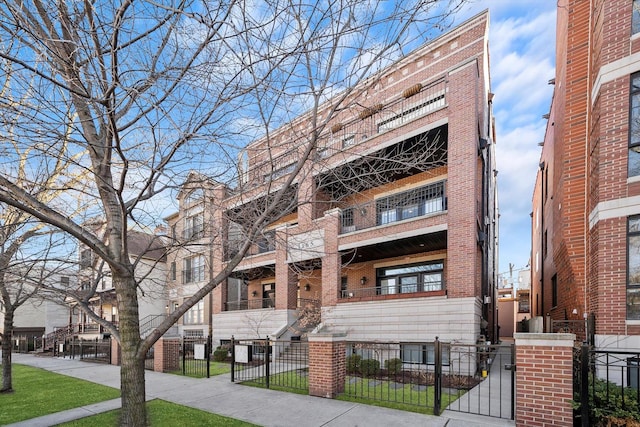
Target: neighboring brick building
<point>586,204</point>
<point>404,256</point>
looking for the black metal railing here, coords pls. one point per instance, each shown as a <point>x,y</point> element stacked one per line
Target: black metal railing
<point>606,383</point>
<point>433,375</point>
<point>252,304</point>
<point>377,291</point>
<point>280,364</point>
<point>415,203</point>
<point>98,350</point>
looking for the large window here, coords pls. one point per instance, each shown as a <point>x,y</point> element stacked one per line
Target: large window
<point>195,315</point>
<point>194,226</point>
<point>635,17</point>
<point>411,204</point>
<point>634,126</point>
<point>633,268</point>
<point>193,269</point>
<point>423,354</point>
<point>425,277</point>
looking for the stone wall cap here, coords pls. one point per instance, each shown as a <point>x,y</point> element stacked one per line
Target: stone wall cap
<point>326,336</point>
<point>561,339</point>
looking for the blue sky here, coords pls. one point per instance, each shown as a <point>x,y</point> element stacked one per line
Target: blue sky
<point>522,55</point>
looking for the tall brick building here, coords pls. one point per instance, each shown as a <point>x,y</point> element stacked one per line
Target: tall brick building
<point>586,203</point>
<point>387,232</point>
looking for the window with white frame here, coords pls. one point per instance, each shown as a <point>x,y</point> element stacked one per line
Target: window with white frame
<point>193,269</point>
<point>195,315</point>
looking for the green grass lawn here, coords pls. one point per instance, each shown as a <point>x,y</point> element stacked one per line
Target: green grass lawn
<point>38,392</point>
<point>163,413</point>
<point>196,369</point>
<point>385,394</point>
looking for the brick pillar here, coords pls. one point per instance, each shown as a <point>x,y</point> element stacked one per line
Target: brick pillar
<point>166,355</point>
<point>331,261</point>
<point>286,278</point>
<point>544,379</point>
<point>115,352</point>
<point>327,364</point>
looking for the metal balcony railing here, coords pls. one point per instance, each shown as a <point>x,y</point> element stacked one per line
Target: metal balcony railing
<point>252,304</point>
<point>414,203</point>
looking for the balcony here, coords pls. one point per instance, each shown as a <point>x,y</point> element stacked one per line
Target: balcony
<point>264,244</point>
<point>415,203</point>
<point>414,103</point>
<point>252,304</point>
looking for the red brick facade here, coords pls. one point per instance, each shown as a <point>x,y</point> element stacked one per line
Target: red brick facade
<point>585,163</point>
<point>544,380</point>
<point>327,365</point>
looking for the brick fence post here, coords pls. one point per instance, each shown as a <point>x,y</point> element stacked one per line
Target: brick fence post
<point>544,379</point>
<point>327,364</point>
<point>115,352</point>
<point>158,355</point>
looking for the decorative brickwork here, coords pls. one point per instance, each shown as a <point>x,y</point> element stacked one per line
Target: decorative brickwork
<point>327,365</point>
<point>544,380</point>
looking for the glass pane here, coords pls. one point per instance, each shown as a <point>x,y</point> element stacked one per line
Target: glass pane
<point>388,216</point>
<point>635,19</point>
<point>634,225</point>
<point>634,261</point>
<point>388,286</point>
<point>432,282</point>
<point>408,284</point>
<point>410,211</point>
<point>633,303</point>
<point>634,161</point>
<point>433,205</point>
<point>412,353</point>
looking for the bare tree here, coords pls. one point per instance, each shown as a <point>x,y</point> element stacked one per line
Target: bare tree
<point>153,88</point>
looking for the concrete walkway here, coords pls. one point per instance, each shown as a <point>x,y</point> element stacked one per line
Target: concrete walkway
<point>255,405</point>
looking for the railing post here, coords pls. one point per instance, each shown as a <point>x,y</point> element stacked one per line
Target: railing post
<point>437,383</point>
<point>207,349</point>
<point>184,358</point>
<point>584,385</point>
<point>267,360</point>
<point>233,358</point>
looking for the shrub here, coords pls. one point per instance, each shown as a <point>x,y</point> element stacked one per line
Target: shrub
<point>369,367</point>
<point>353,363</point>
<point>220,354</point>
<point>393,366</point>
<point>610,404</point>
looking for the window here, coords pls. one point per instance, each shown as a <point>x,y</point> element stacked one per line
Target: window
<point>425,277</point>
<point>635,17</point>
<point>267,242</point>
<point>195,196</point>
<point>173,270</point>
<point>634,127</point>
<point>411,204</point>
<point>348,141</point>
<point>194,226</point>
<point>64,282</point>
<point>523,302</point>
<point>193,269</point>
<point>348,224</point>
<point>422,354</point>
<point>195,314</point>
<point>85,258</point>
<point>545,244</point>
<point>554,291</point>
<point>633,268</point>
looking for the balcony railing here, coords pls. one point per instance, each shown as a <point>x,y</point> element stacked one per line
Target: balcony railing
<point>390,290</point>
<point>264,244</point>
<point>414,203</point>
<point>252,304</point>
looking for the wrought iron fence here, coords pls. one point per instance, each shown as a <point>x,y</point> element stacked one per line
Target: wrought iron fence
<point>432,375</point>
<point>280,364</point>
<point>98,350</point>
<point>606,383</point>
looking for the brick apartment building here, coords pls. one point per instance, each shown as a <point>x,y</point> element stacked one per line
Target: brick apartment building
<point>388,231</point>
<point>586,202</point>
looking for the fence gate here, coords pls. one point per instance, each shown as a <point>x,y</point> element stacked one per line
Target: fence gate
<point>478,379</point>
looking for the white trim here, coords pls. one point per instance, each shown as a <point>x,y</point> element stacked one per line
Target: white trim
<point>613,71</point>
<point>632,322</point>
<point>394,236</point>
<point>617,208</point>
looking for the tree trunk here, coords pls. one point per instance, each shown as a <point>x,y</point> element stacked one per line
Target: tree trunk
<point>132,386</point>
<point>7,386</point>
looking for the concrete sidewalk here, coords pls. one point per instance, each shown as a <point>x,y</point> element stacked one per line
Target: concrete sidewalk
<point>255,405</point>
